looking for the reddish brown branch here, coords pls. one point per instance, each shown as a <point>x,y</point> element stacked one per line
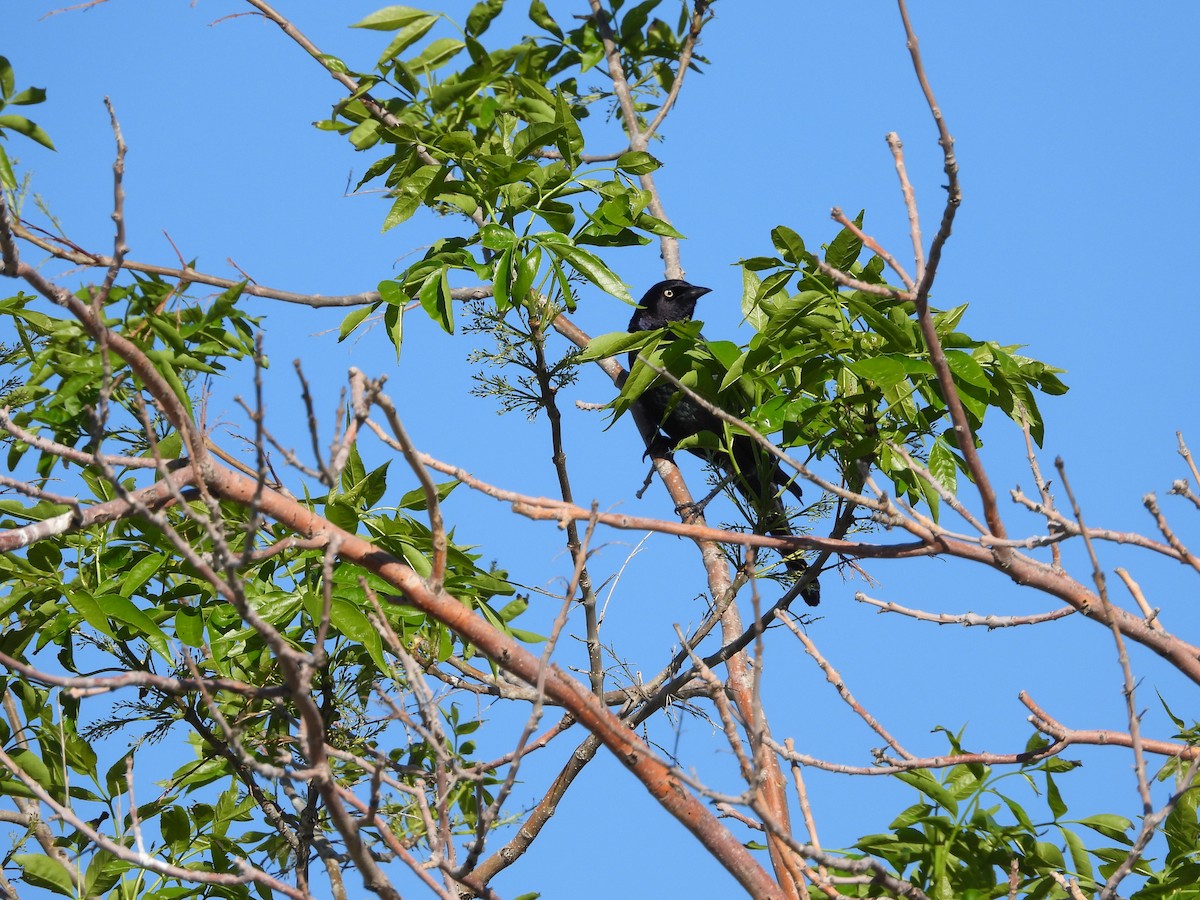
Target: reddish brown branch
<point>1047,724</point>
<point>658,778</point>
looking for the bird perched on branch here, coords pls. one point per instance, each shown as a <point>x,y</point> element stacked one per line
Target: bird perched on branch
<point>752,472</point>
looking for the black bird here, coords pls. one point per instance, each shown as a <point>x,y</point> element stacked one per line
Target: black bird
<point>752,473</point>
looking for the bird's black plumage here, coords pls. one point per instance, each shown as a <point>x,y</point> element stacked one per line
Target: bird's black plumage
<point>752,473</point>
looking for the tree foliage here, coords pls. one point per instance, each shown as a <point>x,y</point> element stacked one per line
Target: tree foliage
<point>307,635</point>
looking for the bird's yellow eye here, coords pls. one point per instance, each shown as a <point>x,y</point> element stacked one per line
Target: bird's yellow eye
<point>668,293</point>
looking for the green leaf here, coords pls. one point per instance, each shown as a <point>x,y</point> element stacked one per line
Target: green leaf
<point>606,345</point>
<point>117,607</point>
<point>638,162</point>
<point>393,293</point>
<point>965,368</point>
<point>885,371</point>
<point>393,321</point>
<point>351,622</point>
<point>85,604</point>
<point>390,18</point>
<point>570,141</point>
<point>33,766</point>
<point>752,311</point>
<point>1054,799</point>
<point>1111,826</point>
<point>416,500</point>
<point>535,136</point>
<point>647,222</point>
<point>436,300</point>
<point>31,130</point>
<point>45,557</point>
<point>942,465</point>
<point>28,97</point>
<point>410,194</point>
<point>481,16</point>
<point>8,179</point>
<point>352,321</point>
<point>79,753</point>
<point>1080,861</point>
<point>436,54</point>
<point>175,827</point>
<point>929,786</point>
<point>333,64</point>
<point>502,280</point>
<point>527,270</point>
<point>103,873</point>
<point>542,18</point>
<point>46,873</point>
<point>365,134</point>
<point>843,250</point>
<point>407,36</point>
<point>189,627</point>
<point>592,268</point>
<point>200,773</point>
<point>1049,855</point>
<point>497,237</point>
<point>789,244</point>
<point>141,572</point>
<point>7,79</point>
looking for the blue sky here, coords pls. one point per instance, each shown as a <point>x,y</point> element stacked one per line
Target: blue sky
<point>1076,129</point>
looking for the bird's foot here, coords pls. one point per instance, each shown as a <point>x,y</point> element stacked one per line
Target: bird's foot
<point>660,448</point>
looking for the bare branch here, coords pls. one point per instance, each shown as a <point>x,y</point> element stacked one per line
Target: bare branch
<point>433,505</point>
<point>1185,555</point>
<point>871,244</point>
<point>9,257</point>
<point>953,191</point>
<point>969,619</point>
<point>835,678</point>
<point>685,60</point>
<point>1139,761</point>
<point>910,204</point>
<point>1047,724</point>
<point>1139,598</point>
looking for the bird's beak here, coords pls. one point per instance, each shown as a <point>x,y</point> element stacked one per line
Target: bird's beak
<point>695,292</point>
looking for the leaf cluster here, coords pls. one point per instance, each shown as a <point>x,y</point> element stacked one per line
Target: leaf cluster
<point>840,373</point>
<point>10,96</point>
<point>965,837</point>
<point>122,597</point>
<point>500,143</point>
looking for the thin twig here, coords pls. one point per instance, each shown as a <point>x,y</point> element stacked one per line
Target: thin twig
<point>433,505</point>
<point>834,677</point>
<point>969,619</point>
<point>1047,724</point>
<point>910,203</point>
<point>871,244</point>
<point>1139,761</point>
<point>1151,504</point>
<point>685,60</point>
<point>1135,590</point>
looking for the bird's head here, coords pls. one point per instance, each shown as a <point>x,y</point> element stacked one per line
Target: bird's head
<point>668,301</point>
